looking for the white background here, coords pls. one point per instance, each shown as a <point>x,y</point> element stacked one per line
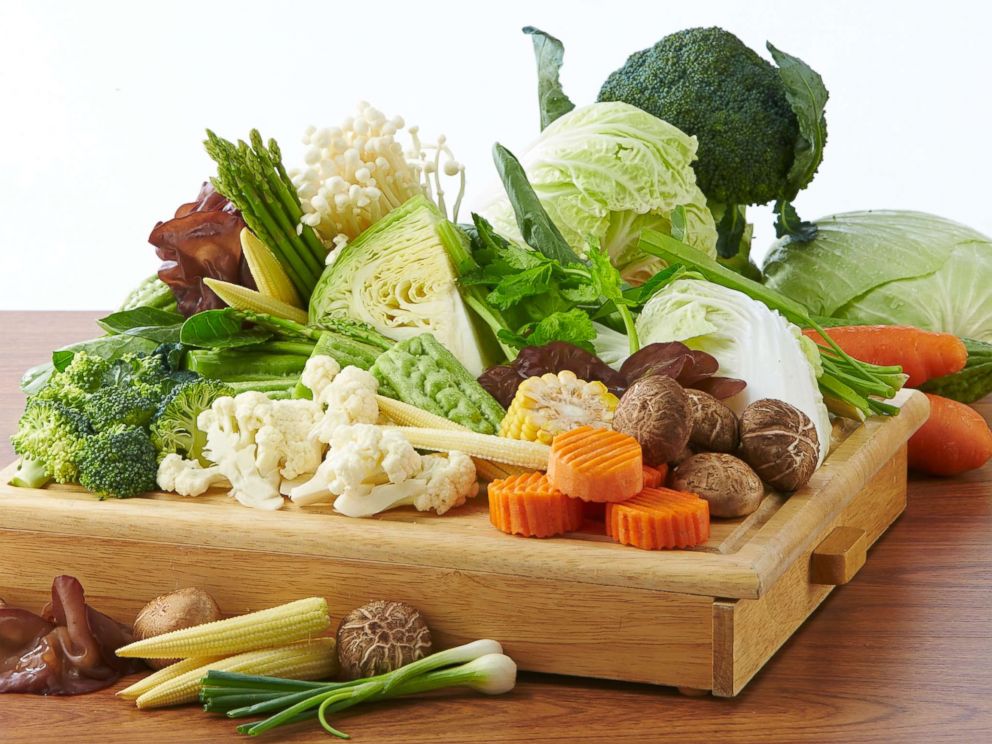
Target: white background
<point>103,105</point>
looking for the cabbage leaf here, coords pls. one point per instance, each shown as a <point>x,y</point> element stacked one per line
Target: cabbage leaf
<point>890,267</point>
<point>606,171</point>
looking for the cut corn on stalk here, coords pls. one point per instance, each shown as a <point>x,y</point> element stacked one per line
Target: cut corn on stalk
<point>164,675</point>
<point>269,275</point>
<point>532,455</point>
<point>242,298</point>
<point>554,403</point>
<point>306,661</point>
<point>405,414</point>
<point>295,621</point>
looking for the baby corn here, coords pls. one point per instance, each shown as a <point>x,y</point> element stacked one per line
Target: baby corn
<point>295,621</point>
<point>242,298</point>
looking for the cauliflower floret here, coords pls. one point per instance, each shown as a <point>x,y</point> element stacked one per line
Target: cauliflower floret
<point>187,477</point>
<point>361,457</point>
<point>350,399</point>
<point>442,484</point>
<point>449,482</point>
<point>284,441</point>
<point>319,372</point>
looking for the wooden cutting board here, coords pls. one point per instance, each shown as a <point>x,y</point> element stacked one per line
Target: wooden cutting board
<point>702,619</point>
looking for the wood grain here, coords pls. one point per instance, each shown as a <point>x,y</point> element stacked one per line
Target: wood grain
<point>903,653</point>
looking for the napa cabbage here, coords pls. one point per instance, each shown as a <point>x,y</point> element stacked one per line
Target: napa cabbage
<point>750,341</point>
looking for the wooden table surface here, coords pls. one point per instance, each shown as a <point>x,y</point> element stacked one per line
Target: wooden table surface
<point>904,653</point>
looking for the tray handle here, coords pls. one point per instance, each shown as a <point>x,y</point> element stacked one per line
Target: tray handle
<point>839,557</point>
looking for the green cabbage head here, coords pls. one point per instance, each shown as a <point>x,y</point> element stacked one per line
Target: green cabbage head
<point>890,267</point>
<point>609,170</point>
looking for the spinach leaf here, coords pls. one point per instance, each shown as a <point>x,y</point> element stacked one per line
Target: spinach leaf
<point>807,96</point>
<point>161,326</point>
<point>549,53</point>
<point>537,229</point>
<point>220,329</point>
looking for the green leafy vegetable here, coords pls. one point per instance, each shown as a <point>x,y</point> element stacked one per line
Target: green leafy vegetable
<point>105,347</point>
<point>175,429</point>
<point>807,96</point>
<point>537,229</point>
<point>151,292</point>
<point>220,329</point>
<point>161,326</point>
<point>890,267</point>
<point>605,171</point>
<point>551,99</point>
<point>573,326</point>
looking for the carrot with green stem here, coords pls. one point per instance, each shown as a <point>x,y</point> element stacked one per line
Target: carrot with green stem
<point>923,355</point>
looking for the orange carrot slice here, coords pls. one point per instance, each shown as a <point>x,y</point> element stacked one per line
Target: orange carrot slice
<point>658,518</point>
<point>529,505</point>
<point>596,464</point>
<point>655,477</point>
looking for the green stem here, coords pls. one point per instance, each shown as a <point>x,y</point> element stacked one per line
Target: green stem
<point>628,324</point>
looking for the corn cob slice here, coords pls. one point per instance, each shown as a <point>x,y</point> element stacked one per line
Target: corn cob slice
<point>306,661</point>
<point>405,414</point>
<point>554,403</point>
<point>295,621</point>
<point>531,455</point>
<point>268,273</point>
<point>242,298</point>
<point>165,674</point>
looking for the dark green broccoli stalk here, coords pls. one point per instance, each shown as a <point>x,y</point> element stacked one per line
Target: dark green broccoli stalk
<point>761,128</point>
<point>174,428</point>
<point>119,462</point>
<point>52,435</point>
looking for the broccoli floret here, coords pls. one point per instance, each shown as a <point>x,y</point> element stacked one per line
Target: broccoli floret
<point>71,386</point>
<point>709,84</point>
<point>119,462</point>
<point>52,435</point>
<point>132,404</point>
<point>174,428</point>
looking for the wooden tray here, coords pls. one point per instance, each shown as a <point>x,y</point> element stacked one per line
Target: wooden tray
<point>705,619</point>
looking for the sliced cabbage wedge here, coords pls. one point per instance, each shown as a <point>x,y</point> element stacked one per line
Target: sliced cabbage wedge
<point>398,277</point>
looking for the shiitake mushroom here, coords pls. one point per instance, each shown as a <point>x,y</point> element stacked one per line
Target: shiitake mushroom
<point>381,636</point>
<point>180,609</point>
<point>713,426</point>
<point>655,411</point>
<point>780,442</point>
<point>730,486</point>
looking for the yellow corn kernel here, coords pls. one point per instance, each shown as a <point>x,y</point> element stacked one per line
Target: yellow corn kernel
<point>554,403</point>
<point>305,661</point>
<point>296,621</point>
<point>242,298</point>
<point>172,671</point>
<point>405,414</point>
<point>268,273</point>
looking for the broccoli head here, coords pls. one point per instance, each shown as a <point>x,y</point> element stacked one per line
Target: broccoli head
<point>709,84</point>
<point>119,462</point>
<point>174,428</point>
<point>72,385</point>
<point>133,405</point>
<point>53,435</point>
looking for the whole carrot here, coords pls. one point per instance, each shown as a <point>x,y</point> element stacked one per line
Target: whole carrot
<point>922,355</point>
<point>953,440</point>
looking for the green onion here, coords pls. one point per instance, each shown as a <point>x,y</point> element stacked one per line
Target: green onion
<point>480,666</point>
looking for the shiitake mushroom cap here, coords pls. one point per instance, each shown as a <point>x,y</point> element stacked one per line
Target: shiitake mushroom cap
<point>713,426</point>
<point>780,442</point>
<point>655,411</point>
<point>180,609</point>
<point>728,483</point>
<point>381,636</point>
